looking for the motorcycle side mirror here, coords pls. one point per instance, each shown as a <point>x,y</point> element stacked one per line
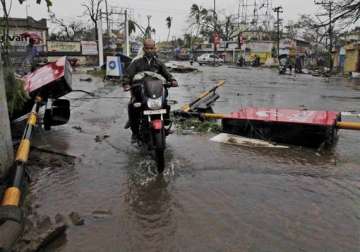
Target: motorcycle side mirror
<point>137,104</point>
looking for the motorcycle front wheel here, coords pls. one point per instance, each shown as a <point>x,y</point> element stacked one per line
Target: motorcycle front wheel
<point>160,160</point>
<point>159,149</point>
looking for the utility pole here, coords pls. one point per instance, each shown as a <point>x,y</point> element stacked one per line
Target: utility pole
<point>329,5</point>
<point>214,16</point>
<point>6,147</point>
<point>127,53</point>
<point>100,42</point>
<point>124,12</point>
<point>278,10</point>
<point>27,8</point>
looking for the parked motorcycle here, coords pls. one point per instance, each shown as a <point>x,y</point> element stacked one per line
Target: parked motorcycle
<point>155,120</point>
<point>283,63</point>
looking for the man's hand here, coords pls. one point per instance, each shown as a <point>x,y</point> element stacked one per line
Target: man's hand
<point>174,83</point>
<point>126,87</point>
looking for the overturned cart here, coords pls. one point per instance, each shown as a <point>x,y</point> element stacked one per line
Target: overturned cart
<point>290,126</point>
<point>50,82</point>
<point>44,86</point>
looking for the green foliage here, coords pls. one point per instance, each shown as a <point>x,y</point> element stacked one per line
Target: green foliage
<point>197,126</point>
<point>15,93</point>
<point>97,73</point>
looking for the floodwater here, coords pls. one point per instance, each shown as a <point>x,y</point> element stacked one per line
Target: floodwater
<point>212,197</point>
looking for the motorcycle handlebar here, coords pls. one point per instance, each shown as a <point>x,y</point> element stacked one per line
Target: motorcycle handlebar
<point>134,85</point>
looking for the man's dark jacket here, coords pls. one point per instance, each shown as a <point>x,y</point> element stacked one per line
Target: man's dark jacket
<point>146,64</point>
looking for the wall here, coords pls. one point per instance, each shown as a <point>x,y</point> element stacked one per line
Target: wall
<point>351,59</point>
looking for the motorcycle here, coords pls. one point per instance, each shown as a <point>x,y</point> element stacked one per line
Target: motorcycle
<point>154,113</point>
<point>282,68</point>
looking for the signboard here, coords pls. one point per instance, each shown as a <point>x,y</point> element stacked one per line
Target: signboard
<point>89,48</point>
<point>240,40</point>
<point>19,42</point>
<point>113,66</point>
<point>257,47</point>
<point>287,43</point>
<point>53,79</point>
<point>216,38</point>
<point>287,116</point>
<point>63,46</point>
<point>135,47</point>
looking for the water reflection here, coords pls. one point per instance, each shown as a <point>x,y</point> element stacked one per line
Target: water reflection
<point>149,207</point>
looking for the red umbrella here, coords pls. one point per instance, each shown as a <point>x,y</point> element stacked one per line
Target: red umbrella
<point>35,37</point>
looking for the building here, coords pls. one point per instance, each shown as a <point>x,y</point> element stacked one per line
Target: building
<point>18,42</point>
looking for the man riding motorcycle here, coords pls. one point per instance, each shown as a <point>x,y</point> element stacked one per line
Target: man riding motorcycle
<point>148,62</point>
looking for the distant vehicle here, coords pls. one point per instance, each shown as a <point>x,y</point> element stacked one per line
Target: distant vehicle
<point>209,59</point>
<point>182,54</point>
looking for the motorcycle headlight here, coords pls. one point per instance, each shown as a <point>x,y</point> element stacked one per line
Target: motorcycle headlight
<point>154,103</point>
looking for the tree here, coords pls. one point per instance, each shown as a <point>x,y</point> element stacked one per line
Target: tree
<point>92,10</point>
<point>348,10</point>
<point>197,17</point>
<point>168,24</point>
<point>75,30</point>
<point>206,21</point>
<point>227,29</point>
<point>132,26</point>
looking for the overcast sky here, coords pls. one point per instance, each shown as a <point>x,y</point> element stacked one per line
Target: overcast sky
<point>159,10</point>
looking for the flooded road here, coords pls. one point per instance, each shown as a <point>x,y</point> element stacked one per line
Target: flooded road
<point>213,197</point>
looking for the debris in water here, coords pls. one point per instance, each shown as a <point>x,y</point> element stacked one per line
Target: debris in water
<point>76,219</point>
<point>243,141</point>
<point>78,128</point>
<point>86,79</point>
<point>101,213</point>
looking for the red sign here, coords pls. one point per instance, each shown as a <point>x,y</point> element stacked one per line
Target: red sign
<point>216,38</point>
<point>240,40</point>
<point>54,79</point>
<point>275,115</point>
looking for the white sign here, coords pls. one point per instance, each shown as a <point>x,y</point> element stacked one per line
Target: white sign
<point>259,47</point>
<point>89,48</point>
<point>113,66</point>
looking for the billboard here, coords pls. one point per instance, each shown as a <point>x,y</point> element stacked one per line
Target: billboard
<point>64,46</point>
<point>89,48</point>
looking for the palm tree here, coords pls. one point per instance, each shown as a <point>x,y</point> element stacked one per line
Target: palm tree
<point>132,26</point>
<point>199,15</point>
<point>168,24</point>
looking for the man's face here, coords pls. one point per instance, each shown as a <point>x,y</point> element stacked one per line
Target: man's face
<point>149,49</point>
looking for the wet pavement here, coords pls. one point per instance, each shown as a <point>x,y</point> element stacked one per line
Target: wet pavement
<point>213,197</point>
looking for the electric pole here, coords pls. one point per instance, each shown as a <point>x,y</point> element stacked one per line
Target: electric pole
<point>215,33</point>
<point>278,10</point>
<point>127,53</point>
<point>100,41</point>
<point>329,6</point>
